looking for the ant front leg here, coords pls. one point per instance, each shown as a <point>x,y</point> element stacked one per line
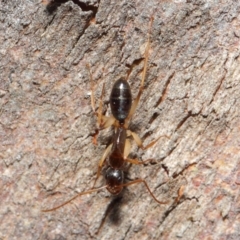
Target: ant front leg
<point>140,180</point>
<point>74,197</point>
<point>104,156</point>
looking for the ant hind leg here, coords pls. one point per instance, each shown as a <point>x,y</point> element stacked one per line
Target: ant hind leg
<point>102,120</point>
<point>146,54</point>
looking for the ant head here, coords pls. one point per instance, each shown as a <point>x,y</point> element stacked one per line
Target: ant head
<point>114,179</point>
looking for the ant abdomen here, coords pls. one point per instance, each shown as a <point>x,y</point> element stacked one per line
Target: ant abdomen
<point>121,100</point>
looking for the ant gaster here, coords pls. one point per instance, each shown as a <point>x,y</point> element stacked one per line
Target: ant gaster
<point>117,152</point>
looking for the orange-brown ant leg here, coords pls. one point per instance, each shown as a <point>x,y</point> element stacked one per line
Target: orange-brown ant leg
<point>135,102</point>
<point>102,120</point>
<point>127,149</point>
<point>101,162</point>
<point>71,199</point>
<point>136,161</point>
<point>143,181</point>
<point>180,194</point>
<point>107,122</point>
<point>138,140</point>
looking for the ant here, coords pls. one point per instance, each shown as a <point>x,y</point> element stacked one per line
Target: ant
<point>117,152</point>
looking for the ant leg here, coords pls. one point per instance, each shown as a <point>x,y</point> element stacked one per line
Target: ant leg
<point>126,153</point>
<point>102,120</point>
<point>136,161</point>
<point>143,181</point>
<point>138,140</point>
<point>180,194</point>
<point>107,121</point>
<point>127,149</point>
<point>71,199</point>
<point>104,156</point>
<point>146,54</point>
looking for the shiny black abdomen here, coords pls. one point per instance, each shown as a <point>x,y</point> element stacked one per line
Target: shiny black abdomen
<point>121,100</point>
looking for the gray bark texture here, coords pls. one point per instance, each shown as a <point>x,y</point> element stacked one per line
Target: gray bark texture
<point>47,125</point>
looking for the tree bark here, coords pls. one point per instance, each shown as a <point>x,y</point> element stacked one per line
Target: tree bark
<point>47,124</point>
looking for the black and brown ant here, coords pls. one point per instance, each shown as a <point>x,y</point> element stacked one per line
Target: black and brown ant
<point>116,154</point>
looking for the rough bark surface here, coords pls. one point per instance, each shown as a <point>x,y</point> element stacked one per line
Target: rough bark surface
<point>191,94</point>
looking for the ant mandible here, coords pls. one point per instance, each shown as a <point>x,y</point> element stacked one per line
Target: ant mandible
<point>117,152</point>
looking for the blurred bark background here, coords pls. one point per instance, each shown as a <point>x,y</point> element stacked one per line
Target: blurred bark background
<point>192,94</point>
